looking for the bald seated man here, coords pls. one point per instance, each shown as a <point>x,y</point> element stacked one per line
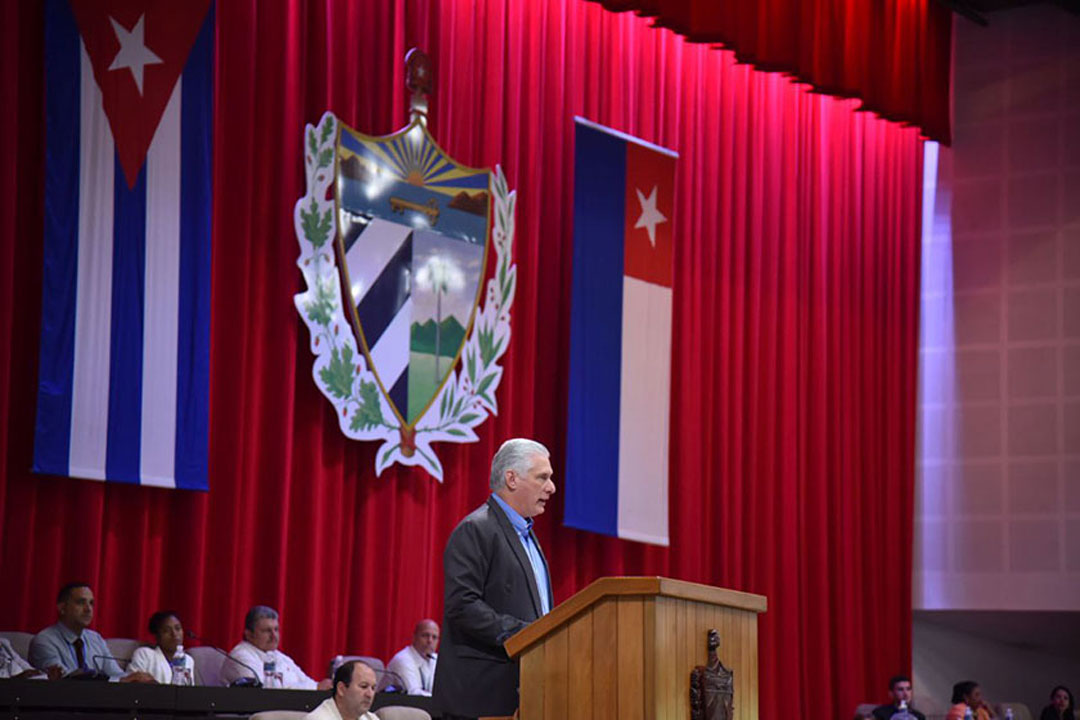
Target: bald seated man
<point>415,663</point>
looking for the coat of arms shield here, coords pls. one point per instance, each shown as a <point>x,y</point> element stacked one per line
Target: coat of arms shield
<point>412,240</point>
<point>395,244</point>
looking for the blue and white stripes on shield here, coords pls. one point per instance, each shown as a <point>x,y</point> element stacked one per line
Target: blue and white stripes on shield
<point>125,334</point>
<point>378,262</point>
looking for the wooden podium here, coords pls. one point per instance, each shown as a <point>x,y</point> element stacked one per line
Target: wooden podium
<point>624,648</point>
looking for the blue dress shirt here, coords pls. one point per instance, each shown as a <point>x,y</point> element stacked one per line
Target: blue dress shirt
<point>54,646</point>
<point>523,528</point>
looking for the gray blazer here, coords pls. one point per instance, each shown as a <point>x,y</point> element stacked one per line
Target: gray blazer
<point>490,593</point>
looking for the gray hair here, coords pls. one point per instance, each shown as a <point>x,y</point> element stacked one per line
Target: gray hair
<point>257,613</point>
<point>514,454</point>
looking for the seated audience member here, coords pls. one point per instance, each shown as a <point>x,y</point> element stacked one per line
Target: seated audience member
<point>257,655</point>
<point>12,665</point>
<point>900,691</point>
<point>968,694</point>
<point>354,691</point>
<point>415,663</point>
<point>1062,705</point>
<point>166,662</point>
<point>70,647</point>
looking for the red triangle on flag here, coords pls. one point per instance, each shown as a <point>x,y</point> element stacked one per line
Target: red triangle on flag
<point>137,48</point>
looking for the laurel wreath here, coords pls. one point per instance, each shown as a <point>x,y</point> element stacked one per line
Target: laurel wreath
<point>467,397</point>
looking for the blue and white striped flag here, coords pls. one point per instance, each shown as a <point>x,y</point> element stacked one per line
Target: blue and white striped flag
<point>620,336</point>
<point>124,365</point>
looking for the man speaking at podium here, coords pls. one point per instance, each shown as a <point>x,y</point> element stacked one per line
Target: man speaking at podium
<point>496,583</point>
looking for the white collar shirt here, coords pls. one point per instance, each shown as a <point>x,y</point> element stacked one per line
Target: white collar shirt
<point>273,669</point>
<point>328,710</point>
<point>11,663</point>
<point>417,673</point>
<point>152,660</point>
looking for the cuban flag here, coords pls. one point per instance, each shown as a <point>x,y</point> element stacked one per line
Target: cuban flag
<point>620,336</point>
<point>124,369</point>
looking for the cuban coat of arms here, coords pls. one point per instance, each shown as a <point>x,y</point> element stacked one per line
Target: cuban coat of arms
<point>395,243</point>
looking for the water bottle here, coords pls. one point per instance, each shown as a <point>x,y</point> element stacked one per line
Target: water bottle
<point>268,674</point>
<point>968,715</point>
<point>180,674</point>
<point>1008,713</point>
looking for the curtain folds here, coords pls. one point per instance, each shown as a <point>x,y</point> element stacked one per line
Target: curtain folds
<point>894,55</point>
<point>794,341</point>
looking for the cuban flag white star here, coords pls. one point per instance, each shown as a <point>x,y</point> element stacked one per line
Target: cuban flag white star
<point>650,216</point>
<point>133,54</point>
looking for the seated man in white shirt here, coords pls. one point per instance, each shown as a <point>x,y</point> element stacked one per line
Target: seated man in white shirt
<point>354,691</point>
<point>258,656</point>
<point>415,663</point>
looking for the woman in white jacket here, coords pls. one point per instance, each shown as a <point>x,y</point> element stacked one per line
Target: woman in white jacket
<point>166,661</point>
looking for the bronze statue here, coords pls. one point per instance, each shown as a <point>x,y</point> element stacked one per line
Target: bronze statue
<point>712,687</point>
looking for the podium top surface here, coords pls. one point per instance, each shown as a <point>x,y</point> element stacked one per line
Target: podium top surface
<point>623,586</point>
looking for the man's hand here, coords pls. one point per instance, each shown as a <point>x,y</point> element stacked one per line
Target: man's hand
<point>325,684</point>
<point>55,672</point>
<point>138,677</point>
<point>29,673</point>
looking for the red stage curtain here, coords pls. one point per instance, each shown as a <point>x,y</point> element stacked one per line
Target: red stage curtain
<point>796,294</point>
<point>895,55</point>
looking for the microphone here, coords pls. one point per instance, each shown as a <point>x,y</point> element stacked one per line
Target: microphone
<point>252,681</point>
<point>97,672</point>
<point>398,686</point>
<point>117,660</point>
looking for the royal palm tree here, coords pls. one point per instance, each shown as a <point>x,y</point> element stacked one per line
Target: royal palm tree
<point>441,275</point>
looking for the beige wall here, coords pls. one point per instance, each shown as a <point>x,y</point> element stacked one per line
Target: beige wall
<point>998,491</point>
<point>1015,659</point>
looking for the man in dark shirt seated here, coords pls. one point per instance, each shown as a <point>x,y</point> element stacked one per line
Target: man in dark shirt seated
<point>900,691</point>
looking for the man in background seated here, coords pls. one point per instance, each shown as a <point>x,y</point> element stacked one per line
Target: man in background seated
<point>257,655</point>
<point>70,647</point>
<point>12,665</point>
<point>415,663</point>
<point>354,691</point>
<point>900,691</point>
